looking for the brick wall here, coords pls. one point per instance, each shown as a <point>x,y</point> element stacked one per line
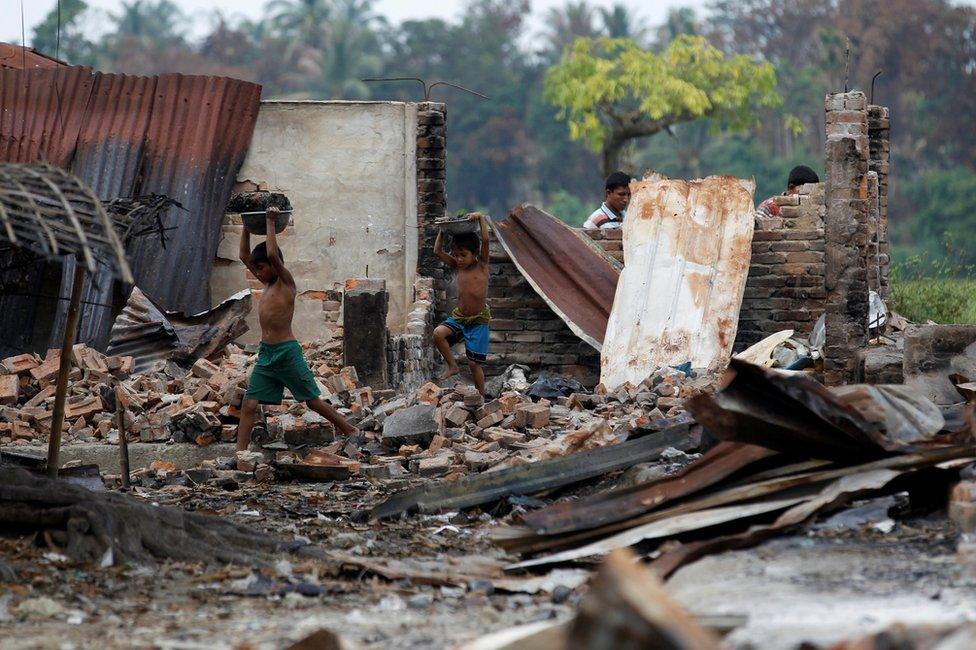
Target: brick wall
<point>785,286</point>
<point>611,240</point>
<point>432,199</point>
<point>524,330</point>
<point>411,357</point>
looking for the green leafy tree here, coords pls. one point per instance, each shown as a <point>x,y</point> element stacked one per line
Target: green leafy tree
<point>72,45</point>
<point>611,92</point>
<point>150,22</point>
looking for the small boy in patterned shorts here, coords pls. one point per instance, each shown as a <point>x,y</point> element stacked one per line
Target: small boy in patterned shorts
<point>469,322</point>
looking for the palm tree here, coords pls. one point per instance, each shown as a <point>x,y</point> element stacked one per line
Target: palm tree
<point>680,21</point>
<point>301,21</point>
<point>621,22</point>
<point>353,48</point>
<point>149,22</point>
<point>566,24</point>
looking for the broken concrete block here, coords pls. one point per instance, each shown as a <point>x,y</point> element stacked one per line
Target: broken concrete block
<point>414,425</point>
<point>9,389</point>
<point>532,416</point>
<point>436,466</point>
<point>20,363</point>
<point>429,393</point>
<point>962,506</point>
<point>47,370</point>
<point>247,461</point>
<point>456,415</point>
<point>503,437</point>
<point>408,450</point>
<point>932,353</point>
<point>491,420</point>
<point>204,369</point>
<point>83,408</point>
<point>310,429</point>
<point>493,406</point>
<point>470,396</point>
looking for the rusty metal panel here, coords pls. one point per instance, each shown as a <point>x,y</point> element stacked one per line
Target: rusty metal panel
<point>18,57</point>
<point>196,140</point>
<point>111,144</point>
<point>41,114</point>
<point>687,246</point>
<point>182,136</point>
<point>571,273</point>
<point>604,508</point>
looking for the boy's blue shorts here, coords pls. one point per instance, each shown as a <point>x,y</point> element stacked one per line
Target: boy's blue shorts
<point>475,338</point>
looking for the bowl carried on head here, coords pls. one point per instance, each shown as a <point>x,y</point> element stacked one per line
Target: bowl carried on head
<point>457,225</point>
<point>252,207</point>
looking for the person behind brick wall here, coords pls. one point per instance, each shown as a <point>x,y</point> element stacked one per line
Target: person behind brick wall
<point>469,322</point>
<point>280,361</point>
<point>616,197</point>
<point>799,175</point>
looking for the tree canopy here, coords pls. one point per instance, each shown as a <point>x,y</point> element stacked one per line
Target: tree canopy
<point>720,110</point>
<point>611,91</point>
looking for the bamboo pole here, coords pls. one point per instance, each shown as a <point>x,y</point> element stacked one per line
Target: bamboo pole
<point>120,404</point>
<point>57,418</point>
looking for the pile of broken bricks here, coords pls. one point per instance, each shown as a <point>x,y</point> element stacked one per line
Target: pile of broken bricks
<point>434,432</point>
<point>453,431</point>
<point>164,403</point>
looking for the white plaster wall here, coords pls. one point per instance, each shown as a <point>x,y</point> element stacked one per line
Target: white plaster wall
<point>349,169</point>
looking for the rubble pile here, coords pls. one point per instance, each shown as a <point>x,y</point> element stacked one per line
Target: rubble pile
<point>166,402</point>
<point>434,432</point>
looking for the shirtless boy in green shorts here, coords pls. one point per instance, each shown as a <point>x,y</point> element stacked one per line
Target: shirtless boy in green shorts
<point>280,362</point>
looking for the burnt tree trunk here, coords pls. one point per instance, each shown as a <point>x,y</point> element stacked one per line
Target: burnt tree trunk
<point>113,528</point>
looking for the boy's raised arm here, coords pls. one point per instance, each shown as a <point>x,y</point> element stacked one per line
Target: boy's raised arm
<point>485,243</point>
<point>245,249</point>
<point>439,250</point>
<point>272,244</point>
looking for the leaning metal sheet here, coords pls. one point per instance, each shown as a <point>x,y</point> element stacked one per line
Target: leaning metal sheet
<point>572,274</point>
<point>687,246</point>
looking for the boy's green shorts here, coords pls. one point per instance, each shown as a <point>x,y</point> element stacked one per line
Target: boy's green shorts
<point>280,366</point>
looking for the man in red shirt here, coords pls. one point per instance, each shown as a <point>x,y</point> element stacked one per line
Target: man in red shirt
<point>799,175</point>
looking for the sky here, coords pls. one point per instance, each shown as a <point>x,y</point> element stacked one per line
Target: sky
<point>395,10</point>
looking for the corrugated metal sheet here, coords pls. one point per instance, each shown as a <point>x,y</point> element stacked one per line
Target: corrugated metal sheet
<point>198,135</point>
<point>575,277</point>
<point>41,114</point>
<point>18,57</point>
<point>687,246</point>
<point>183,136</point>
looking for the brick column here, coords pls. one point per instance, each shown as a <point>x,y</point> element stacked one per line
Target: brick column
<point>879,130</point>
<point>846,232</point>
<point>432,195</point>
<point>872,252</point>
<point>365,302</point>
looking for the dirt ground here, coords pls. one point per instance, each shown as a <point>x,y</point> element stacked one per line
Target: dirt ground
<point>834,582</point>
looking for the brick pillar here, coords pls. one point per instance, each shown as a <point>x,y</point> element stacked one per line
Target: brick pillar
<point>879,130</point>
<point>432,195</point>
<point>364,307</point>
<point>872,252</point>
<point>846,233</point>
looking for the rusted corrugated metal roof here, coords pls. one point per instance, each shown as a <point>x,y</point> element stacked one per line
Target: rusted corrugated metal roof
<point>41,114</point>
<point>572,274</point>
<point>18,57</point>
<point>182,136</point>
<point>198,135</point>
<point>687,246</point>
